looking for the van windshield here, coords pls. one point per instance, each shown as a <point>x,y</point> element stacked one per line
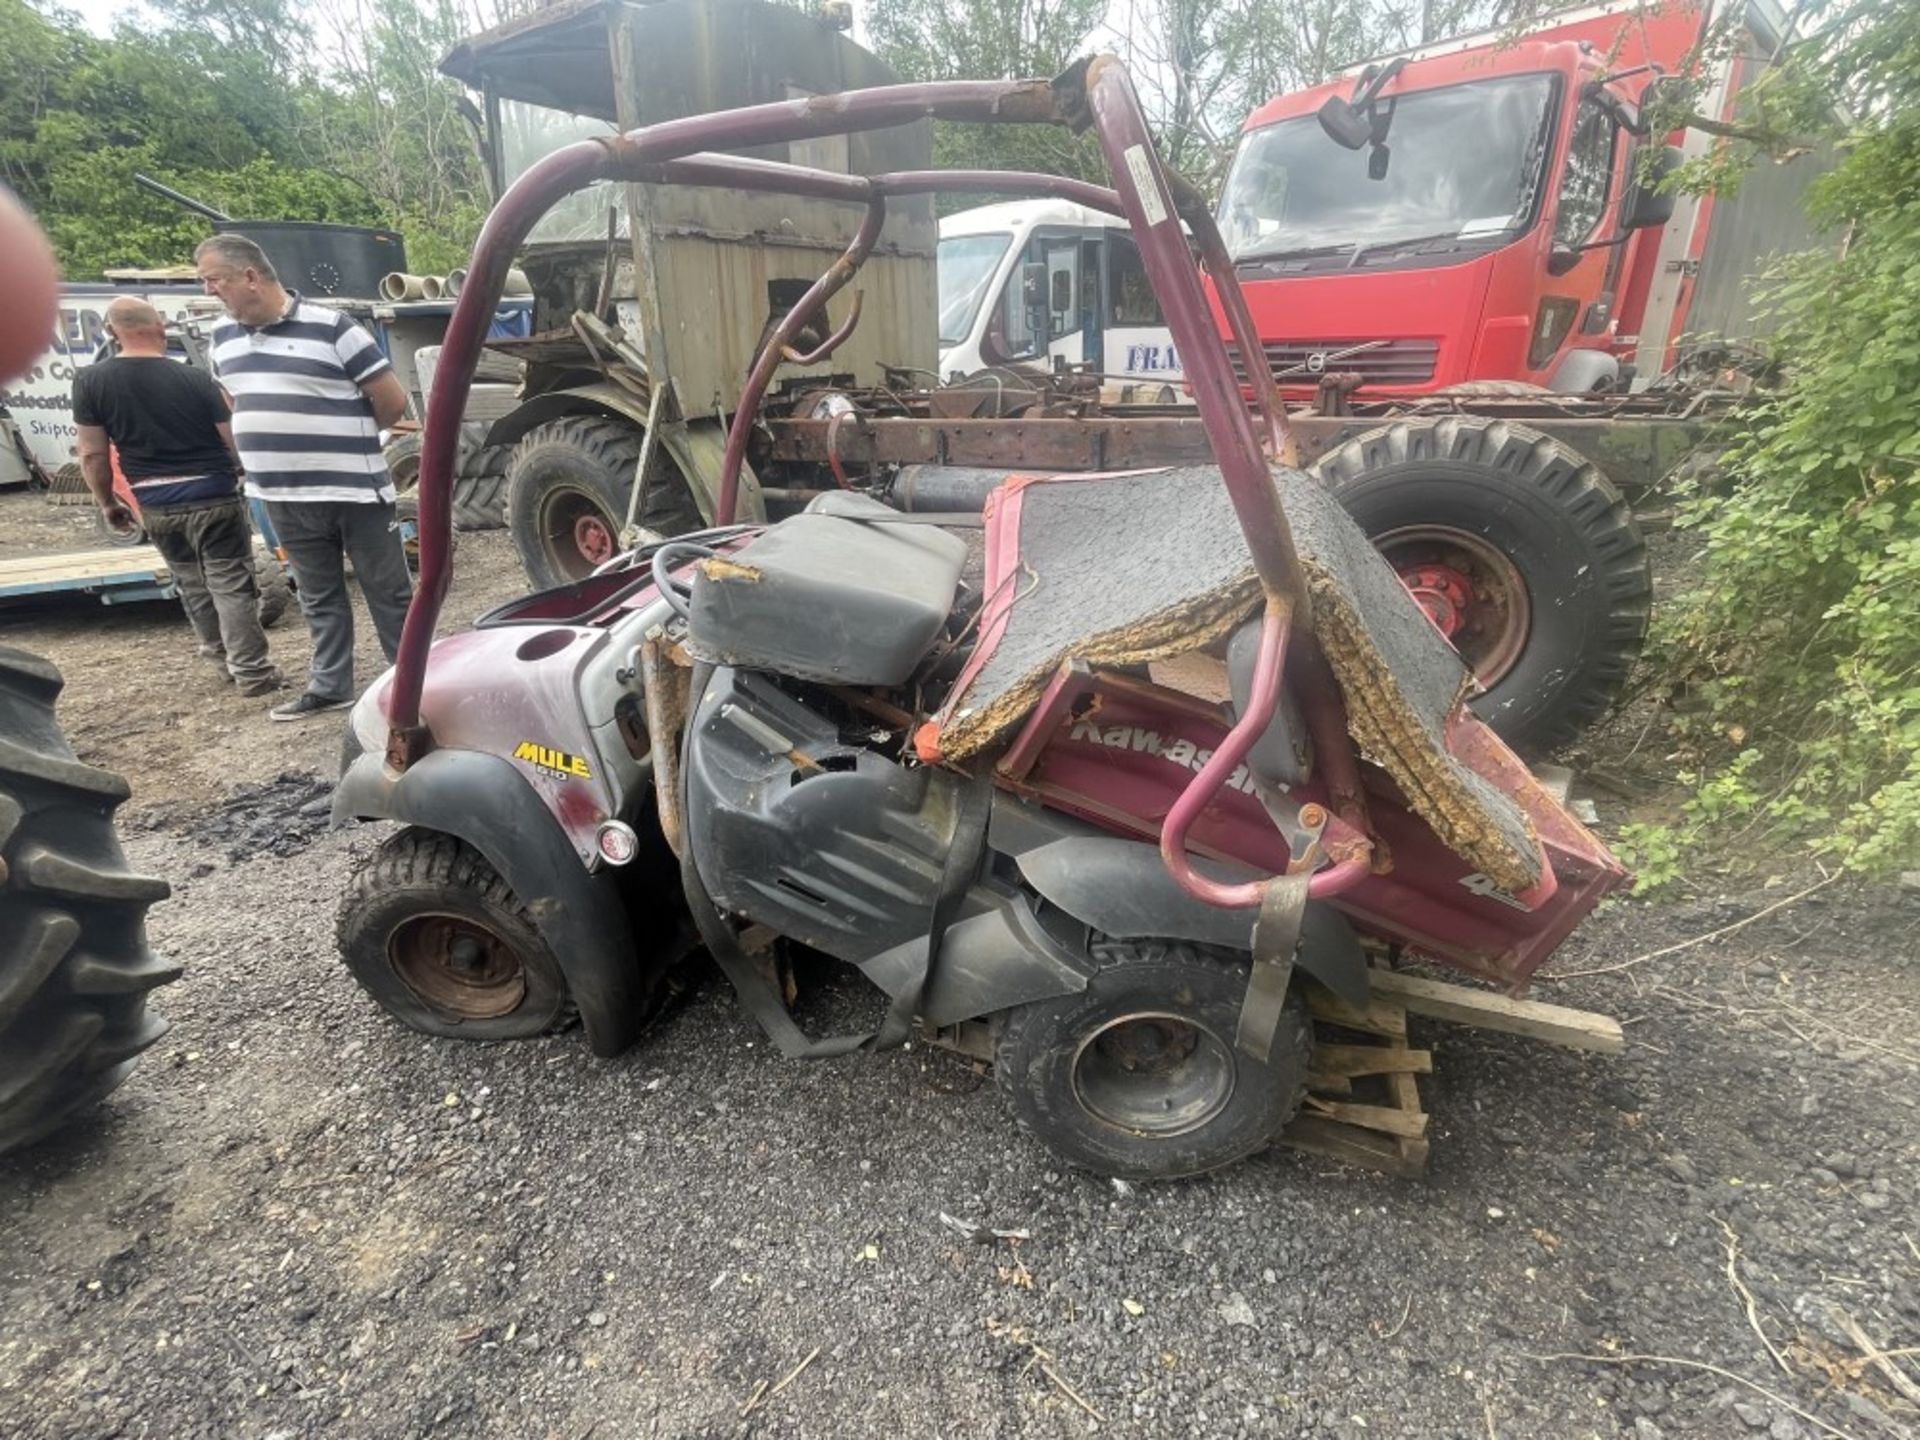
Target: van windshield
<point>966,265</point>
<point>1464,165</point>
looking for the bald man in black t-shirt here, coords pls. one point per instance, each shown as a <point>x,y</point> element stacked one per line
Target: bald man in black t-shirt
<point>171,427</point>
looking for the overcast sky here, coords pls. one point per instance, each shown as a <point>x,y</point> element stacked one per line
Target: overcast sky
<point>99,14</point>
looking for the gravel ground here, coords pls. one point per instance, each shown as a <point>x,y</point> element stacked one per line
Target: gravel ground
<point>299,1219</point>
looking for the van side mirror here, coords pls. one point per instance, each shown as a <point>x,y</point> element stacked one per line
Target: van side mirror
<point>1033,285</point>
<point>1062,300</point>
<point>1647,205</point>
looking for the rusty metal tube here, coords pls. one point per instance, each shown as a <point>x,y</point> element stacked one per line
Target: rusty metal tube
<point>1269,662</point>
<point>769,360</point>
<point>833,342</point>
<point>1246,335</point>
<point>574,167</point>
<point>1128,145</point>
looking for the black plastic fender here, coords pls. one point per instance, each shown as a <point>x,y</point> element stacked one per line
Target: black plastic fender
<point>483,800</point>
<point>1121,888</point>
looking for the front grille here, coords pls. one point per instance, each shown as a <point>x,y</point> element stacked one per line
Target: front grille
<point>1384,362</point>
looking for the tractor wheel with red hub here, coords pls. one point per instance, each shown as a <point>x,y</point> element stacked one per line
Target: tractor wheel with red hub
<point>567,491</point>
<point>1519,550</point>
<point>433,934</point>
<point>1138,1075</point>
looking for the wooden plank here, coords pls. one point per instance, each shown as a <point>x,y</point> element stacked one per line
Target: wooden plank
<point>1323,1083</point>
<point>1385,1118</point>
<point>1352,1060</point>
<point>1376,1019</point>
<point>1405,1091</point>
<point>141,560</point>
<point>1557,1024</point>
<point>1365,1148</point>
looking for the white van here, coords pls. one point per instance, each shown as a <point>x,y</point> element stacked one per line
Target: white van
<point>1032,282</point>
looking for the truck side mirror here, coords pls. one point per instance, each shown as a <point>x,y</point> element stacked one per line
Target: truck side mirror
<point>1646,204</point>
<point>1346,125</point>
<point>1033,285</point>
<point>1062,299</point>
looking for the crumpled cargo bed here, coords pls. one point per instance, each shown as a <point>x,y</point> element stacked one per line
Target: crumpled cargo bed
<point>1125,569</point>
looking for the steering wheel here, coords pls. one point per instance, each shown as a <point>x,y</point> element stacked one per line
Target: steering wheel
<point>676,592</point>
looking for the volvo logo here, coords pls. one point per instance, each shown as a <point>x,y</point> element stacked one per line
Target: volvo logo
<point>1316,362</point>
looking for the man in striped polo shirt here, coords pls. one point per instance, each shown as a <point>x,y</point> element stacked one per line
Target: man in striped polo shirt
<point>169,423</point>
<point>311,392</point>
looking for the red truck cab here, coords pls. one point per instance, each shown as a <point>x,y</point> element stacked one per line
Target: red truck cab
<point>1486,224</point>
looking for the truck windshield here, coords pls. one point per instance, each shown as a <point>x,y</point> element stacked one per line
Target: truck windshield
<point>966,266</point>
<point>530,133</point>
<point>1465,165</point>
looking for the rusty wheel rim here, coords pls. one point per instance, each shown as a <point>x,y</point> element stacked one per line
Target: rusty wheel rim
<point>1152,1073</point>
<point>576,533</point>
<point>459,968</point>
<point>1474,593</point>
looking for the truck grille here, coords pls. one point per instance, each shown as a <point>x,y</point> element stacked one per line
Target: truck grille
<point>1387,362</point>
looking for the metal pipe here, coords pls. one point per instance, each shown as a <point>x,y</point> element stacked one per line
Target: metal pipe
<point>1001,182</point>
<point>1129,149</point>
<point>574,167</point>
<point>827,346</point>
<point>167,192</point>
<point>770,357</point>
<point>1269,661</point>
<point>1233,303</point>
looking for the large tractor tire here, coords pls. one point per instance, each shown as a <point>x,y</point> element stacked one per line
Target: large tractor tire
<point>480,487</point>
<point>75,969</point>
<point>567,495</point>
<point>437,938</point>
<point>1139,1075</point>
<point>1523,553</point>
<point>479,478</point>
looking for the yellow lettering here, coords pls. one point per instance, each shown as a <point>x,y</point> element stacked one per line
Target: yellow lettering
<point>527,750</point>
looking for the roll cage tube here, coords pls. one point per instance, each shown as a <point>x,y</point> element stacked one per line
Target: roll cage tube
<point>1096,92</point>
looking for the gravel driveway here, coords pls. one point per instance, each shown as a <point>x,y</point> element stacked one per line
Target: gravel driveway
<point>299,1219</point>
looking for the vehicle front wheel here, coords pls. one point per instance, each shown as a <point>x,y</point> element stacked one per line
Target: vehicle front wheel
<point>436,937</point>
<point>1138,1075</point>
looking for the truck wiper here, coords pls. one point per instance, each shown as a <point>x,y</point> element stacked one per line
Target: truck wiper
<point>1382,247</point>
<point>1301,252</point>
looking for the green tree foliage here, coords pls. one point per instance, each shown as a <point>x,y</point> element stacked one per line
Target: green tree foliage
<point>263,108</point>
<point>1200,66</point>
<point>991,40</point>
<point>1800,652</point>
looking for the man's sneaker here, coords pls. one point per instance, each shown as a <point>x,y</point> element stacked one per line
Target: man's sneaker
<point>306,706</point>
<point>265,685</point>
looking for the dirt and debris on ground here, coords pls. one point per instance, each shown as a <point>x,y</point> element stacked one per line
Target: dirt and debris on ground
<point>297,1219</point>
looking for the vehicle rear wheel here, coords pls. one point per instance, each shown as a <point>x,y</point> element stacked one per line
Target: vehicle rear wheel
<point>480,487</point>
<point>1520,550</point>
<point>1138,1075</point>
<point>479,476</point>
<point>437,938</point>
<point>75,968</point>
<point>567,492</point>
<point>276,591</point>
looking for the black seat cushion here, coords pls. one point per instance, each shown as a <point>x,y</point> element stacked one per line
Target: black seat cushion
<point>849,592</point>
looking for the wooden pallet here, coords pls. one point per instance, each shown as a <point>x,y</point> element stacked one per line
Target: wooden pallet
<point>1363,1100</point>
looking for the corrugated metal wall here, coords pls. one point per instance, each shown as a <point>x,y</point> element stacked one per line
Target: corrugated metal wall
<point>707,256</point>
